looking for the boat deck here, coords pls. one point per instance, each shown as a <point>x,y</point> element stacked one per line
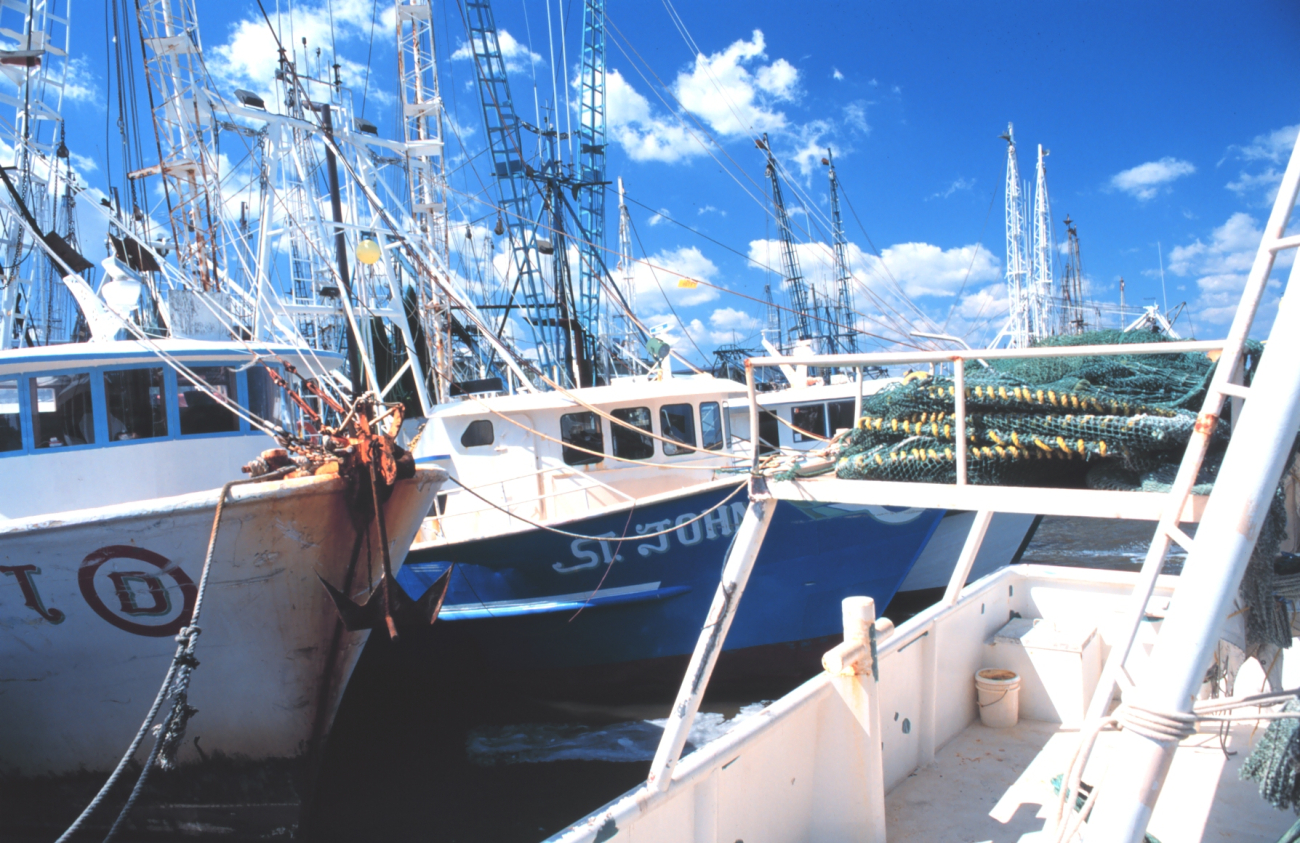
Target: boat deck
<point>995,786</point>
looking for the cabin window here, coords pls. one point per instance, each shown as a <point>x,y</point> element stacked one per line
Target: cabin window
<point>62,410</point>
<point>136,405</point>
<point>677,422</point>
<point>582,430</point>
<point>200,412</point>
<point>265,399</point>
<point>477,434</point>
<point>810,418</point>
<point>841,415</point>
<point>629,444</point>
<point>769,432</point>
<point>11,430</point>
<point>711,437</point>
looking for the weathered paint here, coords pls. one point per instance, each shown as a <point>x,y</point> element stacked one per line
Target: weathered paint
<point>123,579</point>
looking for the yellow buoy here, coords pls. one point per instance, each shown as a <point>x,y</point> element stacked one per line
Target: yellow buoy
<point>368,251</point>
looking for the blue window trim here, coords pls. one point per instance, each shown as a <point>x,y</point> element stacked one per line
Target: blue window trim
<point>96,407</point>
<point>169,399</point>
<point>99,404</point>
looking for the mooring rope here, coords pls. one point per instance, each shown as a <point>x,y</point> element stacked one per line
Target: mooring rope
<point>557,530</point>
<point>183,663</point>
<point>1164,726</point>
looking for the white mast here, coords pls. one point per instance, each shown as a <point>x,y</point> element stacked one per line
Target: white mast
<point>1043,285</point>
<point>181,105</point>
<point>422,119</point>
<point>626,268</point>
<point>1019,323</point>
<point>35,305</point>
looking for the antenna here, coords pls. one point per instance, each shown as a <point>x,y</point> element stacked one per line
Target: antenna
<point>1163,295</point>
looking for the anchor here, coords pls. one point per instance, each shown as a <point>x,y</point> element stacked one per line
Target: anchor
<point>388,606</point>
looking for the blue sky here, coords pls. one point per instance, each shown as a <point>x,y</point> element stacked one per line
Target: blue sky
<point>1168,126</point>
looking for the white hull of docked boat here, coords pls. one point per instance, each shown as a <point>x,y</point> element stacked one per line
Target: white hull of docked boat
<point>90,602</point>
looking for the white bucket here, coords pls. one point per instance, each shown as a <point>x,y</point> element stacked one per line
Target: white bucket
<point>999,697</point>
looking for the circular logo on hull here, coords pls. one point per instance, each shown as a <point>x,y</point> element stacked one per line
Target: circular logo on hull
<point>154,599</point>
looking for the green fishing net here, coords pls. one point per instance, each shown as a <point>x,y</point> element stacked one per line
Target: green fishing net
<point>1035,421</point>
<point>1119,423</point>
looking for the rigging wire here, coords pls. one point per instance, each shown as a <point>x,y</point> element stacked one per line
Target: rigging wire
<point>365,88</point>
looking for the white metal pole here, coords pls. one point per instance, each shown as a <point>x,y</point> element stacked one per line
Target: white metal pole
<point>735,573</point>
<point>856,684</point>
<point>752,389</point>
<point>1233,516</point>
<point>959,410</point>
<point>1200,441</point>
<point>857,403</point>
<point>961,571</point>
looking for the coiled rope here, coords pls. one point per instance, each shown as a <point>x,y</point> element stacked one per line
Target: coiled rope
<point>1163,726</point>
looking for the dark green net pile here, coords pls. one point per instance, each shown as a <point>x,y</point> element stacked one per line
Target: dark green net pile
<point>1119,423</point>
<point>1043,421</point>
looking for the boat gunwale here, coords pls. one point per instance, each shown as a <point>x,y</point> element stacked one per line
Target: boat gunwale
<point>193,502</point>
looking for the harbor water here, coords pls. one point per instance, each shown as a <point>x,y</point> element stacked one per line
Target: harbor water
<point>433,742</point>
<point>448,749</point>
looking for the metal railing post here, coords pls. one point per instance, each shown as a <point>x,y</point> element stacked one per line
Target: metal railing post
<point>754,439</point>
<point>735,574</point>
<point>959,410</point>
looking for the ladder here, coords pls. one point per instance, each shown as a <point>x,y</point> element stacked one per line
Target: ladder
<point>1266,416</point>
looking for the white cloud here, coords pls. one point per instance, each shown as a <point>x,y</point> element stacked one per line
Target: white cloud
<point>1220,267</point>
<point>855,116</point>
<point>1271,148</point>
<point>247,57</point>
<point>518,58</point>
<point>1250,183</point>
<point>836,75</point>
<point>734,92</point>
<point>728,324</point>
<point>662,270</point>
<point>83,163</point>
<point>1274,147</point>
<point>80,82</point>
<point>810,146</point>
<point>659,217</point>
<point>643,134</point>
<point>924,269</point>
<point>961,183</point>
<point>1145,181</point>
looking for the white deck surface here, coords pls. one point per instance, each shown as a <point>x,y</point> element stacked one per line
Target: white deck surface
<point>973,793</point>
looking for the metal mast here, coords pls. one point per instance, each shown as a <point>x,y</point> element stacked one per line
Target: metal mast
<point>35,307</point>
<point>773,332</point>
<point>1042,286</point>
<point>796,287</point>
<point>846,337</point>
<point>591,173</point>
<point>1019,323</point>
<point>186,132</point>
<point>1072,318</point>
<point>422,121</point>
<point>502,126</point>
<point>626,270</point>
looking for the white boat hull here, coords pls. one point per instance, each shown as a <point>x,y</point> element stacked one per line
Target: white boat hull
<point>90,601</point>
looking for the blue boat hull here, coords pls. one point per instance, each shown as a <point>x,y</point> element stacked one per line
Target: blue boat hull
<point>543,601</point>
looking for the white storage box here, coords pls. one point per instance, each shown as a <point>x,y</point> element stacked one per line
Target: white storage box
<point>1059,667</point>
